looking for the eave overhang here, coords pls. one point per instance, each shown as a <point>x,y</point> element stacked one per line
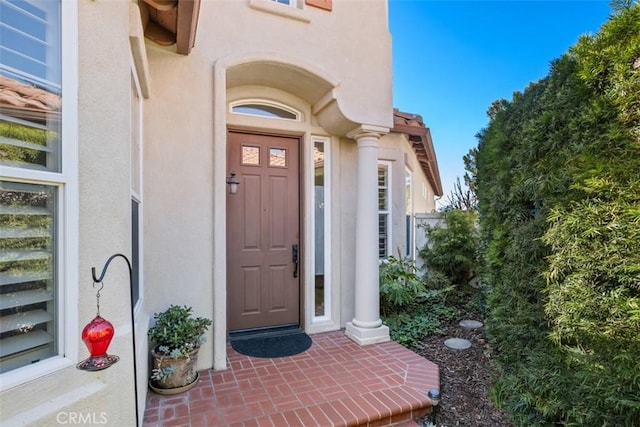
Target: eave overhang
<point>169,22</point>
<point>419,136</point>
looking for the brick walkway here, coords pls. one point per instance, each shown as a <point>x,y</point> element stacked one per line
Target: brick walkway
<point>334,383</point>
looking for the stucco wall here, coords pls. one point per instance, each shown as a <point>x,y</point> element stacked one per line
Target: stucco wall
<point>178,171</point>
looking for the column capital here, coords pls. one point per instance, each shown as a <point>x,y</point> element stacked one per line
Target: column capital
<point>363,131</point>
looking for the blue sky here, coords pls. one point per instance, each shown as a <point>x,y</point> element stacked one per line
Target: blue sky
<point>452,59</point>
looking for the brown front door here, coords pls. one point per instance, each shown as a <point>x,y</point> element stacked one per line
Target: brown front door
<point>263,287</point>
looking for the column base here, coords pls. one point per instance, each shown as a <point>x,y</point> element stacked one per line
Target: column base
<point>365,336</point>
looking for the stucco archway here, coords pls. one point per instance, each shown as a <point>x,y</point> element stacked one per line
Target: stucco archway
<point>317,87</point>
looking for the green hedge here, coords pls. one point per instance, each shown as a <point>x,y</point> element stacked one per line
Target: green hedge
<point>558,181</point>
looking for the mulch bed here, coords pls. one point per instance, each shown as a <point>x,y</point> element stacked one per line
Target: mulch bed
<point>465,379</point>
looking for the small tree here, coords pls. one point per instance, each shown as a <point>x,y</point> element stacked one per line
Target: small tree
<point>464,197</point>
<point>451,249</point>
<point>461,198</point>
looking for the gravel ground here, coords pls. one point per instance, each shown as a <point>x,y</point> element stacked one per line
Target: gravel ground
<point>465,380</point>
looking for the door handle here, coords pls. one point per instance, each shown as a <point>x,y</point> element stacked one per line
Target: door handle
<point>294,251</point>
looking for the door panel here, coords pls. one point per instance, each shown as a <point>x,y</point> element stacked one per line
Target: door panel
<point>262,227</point>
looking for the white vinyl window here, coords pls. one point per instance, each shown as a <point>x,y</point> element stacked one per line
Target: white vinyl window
<point>384,206</point>
<point>35,185</point>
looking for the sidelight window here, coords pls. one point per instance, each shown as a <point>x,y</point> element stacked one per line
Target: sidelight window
<point>321,230</point>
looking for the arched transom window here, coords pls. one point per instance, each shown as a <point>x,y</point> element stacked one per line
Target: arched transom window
<point>264,108</point>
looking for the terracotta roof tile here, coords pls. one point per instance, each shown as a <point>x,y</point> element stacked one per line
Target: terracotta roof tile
<point>419,136</point>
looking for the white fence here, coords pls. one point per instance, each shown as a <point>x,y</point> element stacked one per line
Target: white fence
<point>422,219</point>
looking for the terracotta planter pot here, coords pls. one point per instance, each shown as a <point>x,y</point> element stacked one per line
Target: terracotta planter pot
<point>184,375</point>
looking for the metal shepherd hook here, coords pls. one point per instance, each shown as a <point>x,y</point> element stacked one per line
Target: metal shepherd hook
<point>133,326</point>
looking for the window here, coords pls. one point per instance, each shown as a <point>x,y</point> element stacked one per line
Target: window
<point>287,2</point>
<point>266,109</point>
<point>292,9</point>
<point>30,67</point>
<point>277,157</point>
<point>27,273</point>
<point>384,213</point>
<point>322,294</point>
<point>136,186</point>
<point>250,156</point>
<point>32,185</point>
<point>408,199</point>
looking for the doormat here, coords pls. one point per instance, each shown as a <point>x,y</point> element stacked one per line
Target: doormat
<point>276,342</point>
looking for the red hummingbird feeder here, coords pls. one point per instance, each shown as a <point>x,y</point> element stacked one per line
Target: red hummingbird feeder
<point>97,336</point>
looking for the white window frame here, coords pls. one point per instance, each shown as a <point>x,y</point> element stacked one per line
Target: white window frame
<point>328,312</point>
<point>67,220</point>
<point>389,186</point>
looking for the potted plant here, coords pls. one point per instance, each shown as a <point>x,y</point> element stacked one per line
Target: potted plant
<point>176,336</point>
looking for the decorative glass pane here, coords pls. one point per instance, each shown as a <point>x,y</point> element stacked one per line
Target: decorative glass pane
<point>278,157</point>
<point>27,274</point>
<point>30,76</point>
<point>319,178</point>
<point>250,155</point>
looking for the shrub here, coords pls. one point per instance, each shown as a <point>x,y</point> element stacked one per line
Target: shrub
<point>413,307</point>
<point>452,249</point>
<point>399,284</point>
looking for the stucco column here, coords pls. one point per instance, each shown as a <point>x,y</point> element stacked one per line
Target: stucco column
<point>366,327</point>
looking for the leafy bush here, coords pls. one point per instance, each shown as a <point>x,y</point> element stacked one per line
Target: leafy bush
<point>452,248</point>
<point>431,308</point>
<point>399,284</point>
<point>413,307</point>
